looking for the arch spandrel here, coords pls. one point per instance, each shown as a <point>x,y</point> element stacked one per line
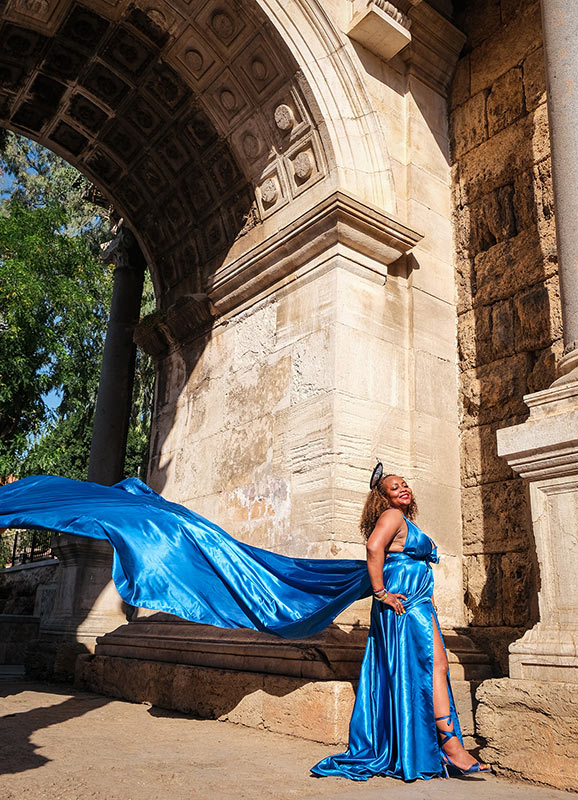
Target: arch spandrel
<point>197,120</point>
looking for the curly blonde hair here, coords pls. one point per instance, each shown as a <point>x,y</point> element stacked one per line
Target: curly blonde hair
<point>376,503</point>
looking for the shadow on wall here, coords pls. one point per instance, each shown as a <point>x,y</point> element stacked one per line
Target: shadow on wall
<point>509,325</point>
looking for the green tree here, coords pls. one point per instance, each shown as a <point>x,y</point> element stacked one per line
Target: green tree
<point>54,300</point>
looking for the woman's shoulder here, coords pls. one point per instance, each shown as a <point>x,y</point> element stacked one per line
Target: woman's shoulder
<point>391,515</point>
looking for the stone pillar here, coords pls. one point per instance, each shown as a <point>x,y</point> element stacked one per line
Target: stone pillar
<point>560,27</point>
<point>87,604</point>
<point>113,405</point>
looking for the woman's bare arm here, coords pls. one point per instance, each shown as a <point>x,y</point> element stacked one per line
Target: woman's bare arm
<point>386,528</point>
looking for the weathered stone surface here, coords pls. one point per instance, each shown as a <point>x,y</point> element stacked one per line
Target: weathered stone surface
<point>21,587</point>
<point>534,79</point>
<point>505,103</point>
<point>474,337</point>
<point>508,46</point>
<point>469,125</point>
<point>511,266</point>
<point>482,590</point>
<point>460,90</point>
<point>485,334</point>
<point>480,462</point>
<point>518,578</point>
<point>465,282</point>
<point>315,710</point>
<point>496,517</point>
<point>16,630</point>
<point>538,320</point>
<point>492,218</point>
<point>544,196</point>
<point>502,338</point>
<point>494,391</point>
<point>479,20</point>
<point>544,371</point>
<point>495,641</point>
<point>500,158</point>
<point>524,200</point>
<point>531,729</point>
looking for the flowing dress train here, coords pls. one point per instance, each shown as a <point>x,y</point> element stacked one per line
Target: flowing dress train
<point>168,558</point>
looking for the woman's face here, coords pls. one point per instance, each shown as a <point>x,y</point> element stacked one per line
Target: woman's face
<point>397,491</point>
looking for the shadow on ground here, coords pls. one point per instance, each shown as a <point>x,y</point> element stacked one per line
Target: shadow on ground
<point>18,753</point>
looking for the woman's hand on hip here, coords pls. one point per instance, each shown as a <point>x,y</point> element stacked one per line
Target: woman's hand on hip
<point>393,599</point>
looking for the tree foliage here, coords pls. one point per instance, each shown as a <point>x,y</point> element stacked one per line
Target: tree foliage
<point>55,295</point>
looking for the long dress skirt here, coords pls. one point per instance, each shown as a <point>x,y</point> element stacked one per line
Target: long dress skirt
<point>167,558</point>
<point>393,730</point>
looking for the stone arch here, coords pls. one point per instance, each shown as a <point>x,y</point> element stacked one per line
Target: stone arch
<point>197,120</point>
<point>326,59</point>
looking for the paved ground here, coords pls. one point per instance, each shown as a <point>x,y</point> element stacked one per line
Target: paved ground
<point>62,744</point>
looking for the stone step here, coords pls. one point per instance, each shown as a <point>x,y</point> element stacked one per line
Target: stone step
<point>335,654</point>
<point>311,709</point>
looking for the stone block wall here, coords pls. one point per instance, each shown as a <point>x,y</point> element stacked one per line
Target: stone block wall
<point>509,321</point>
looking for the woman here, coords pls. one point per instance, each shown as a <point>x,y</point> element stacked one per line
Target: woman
<point>404,691</point>
<point>167,558</point>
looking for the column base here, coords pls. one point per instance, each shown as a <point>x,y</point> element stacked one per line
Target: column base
<point>546,654</point>
<point>568,366</point>
<point>530,730</point>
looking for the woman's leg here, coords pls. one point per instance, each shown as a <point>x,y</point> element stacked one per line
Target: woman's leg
<point>441,702</point>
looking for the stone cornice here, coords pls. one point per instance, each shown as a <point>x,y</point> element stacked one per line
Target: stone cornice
<point>546,445</point>
<point>337,221</point>
<point>365,237</point>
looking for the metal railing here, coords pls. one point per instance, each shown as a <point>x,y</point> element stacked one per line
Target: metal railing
<point>23,547</point>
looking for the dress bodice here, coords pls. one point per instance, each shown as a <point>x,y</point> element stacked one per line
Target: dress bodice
<point>418,545</point>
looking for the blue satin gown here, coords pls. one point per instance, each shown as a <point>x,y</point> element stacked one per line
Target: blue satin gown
<point>167,558</point>
<point>392,730</point>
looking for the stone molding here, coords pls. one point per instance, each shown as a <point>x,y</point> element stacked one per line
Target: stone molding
<point>378,28</point>
<point>435,47</point>
<point>367,239</point>
<point>335,654</point>
<point>186,318</point>
<point>546,445</point>
<point>430,50</point>
<point>337,221</point>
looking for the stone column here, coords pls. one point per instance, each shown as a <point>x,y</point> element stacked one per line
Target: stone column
<point>113,405</point>
<point>87,604</point>
<point>560,26</point>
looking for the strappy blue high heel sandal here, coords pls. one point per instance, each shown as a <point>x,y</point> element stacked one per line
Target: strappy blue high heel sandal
<point>452,770</point>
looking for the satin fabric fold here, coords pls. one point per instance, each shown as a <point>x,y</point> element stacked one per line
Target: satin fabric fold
<point>392,730</point>
<point>168,558</point>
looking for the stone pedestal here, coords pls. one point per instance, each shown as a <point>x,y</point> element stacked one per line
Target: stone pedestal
<point>304,687</point>
<point>544,450</point>
<point>530,720</point>
<point>86,605</point>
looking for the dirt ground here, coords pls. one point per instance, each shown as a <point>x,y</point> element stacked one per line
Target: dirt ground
<point>62,744</point>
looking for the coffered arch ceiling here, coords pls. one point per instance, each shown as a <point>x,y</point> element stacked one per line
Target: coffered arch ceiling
<point>194,118</point>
